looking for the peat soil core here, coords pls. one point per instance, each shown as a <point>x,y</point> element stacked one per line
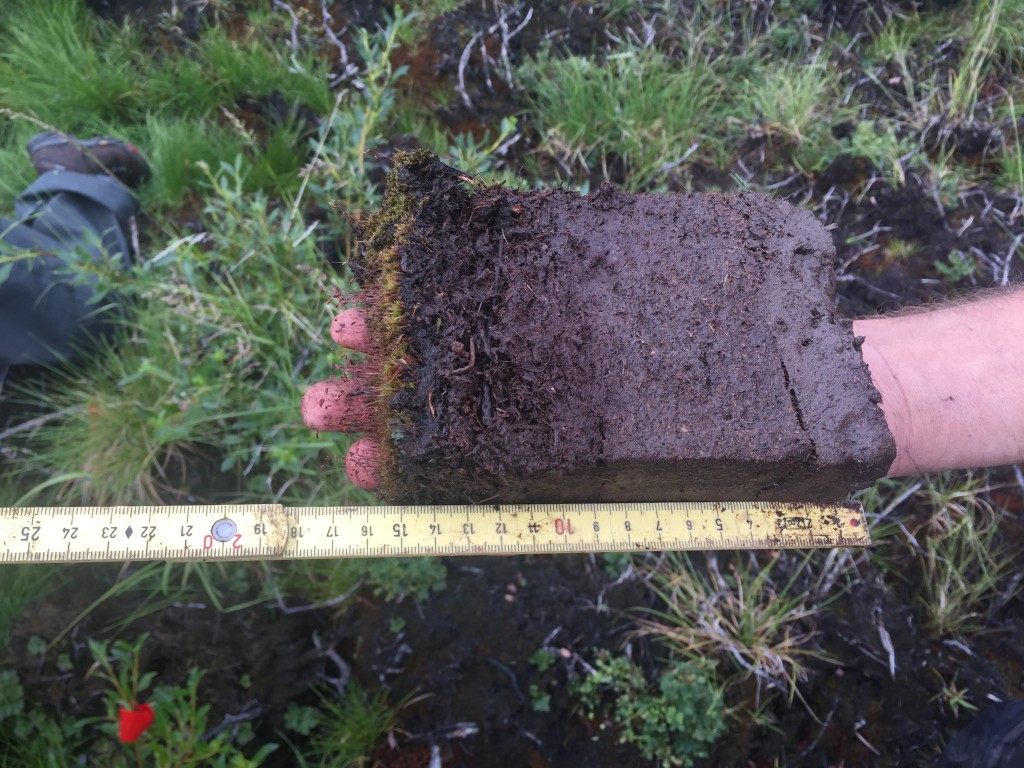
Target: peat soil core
<point>612,347</point>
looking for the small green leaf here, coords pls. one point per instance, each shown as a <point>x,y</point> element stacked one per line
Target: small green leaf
<point>302,720</point>
<point>540,700</point>
<point>36,646</point>
<point>542,659</point>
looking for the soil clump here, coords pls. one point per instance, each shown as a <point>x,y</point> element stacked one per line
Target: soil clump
<point>614,347</point>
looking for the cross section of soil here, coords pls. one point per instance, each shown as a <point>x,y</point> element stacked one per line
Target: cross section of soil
<point>617,347</point>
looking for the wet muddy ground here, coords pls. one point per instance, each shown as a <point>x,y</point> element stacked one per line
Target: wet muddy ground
<point>463,659</point>
<point>463,654</point>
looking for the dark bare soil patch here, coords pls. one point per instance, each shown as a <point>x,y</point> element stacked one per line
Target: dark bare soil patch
<point>470,54</point>
<point>462,658</point>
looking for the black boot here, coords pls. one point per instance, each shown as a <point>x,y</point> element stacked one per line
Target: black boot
<point>51,151</point>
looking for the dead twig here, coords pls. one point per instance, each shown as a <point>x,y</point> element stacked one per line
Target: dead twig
<point>348,70</point>
<point>507,35</point>
<point>461,730</point>
<point>463,63</point>
<point>249,712</point>
<point>288,610</point>
<point>821,731</point>
<point>340,682</point>
<point>504,58</point>
<point>295,22</point>
<point>885,640</point>
<point>133,229</point>
<point>856,732</point>
<point>39,421</point>
<point>511,676</point>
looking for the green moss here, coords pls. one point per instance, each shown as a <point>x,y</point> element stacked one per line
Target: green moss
<point>381,238</point>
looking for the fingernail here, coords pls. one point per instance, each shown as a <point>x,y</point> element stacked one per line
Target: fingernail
<point>349,330</point>
<point>338,405</point>
<point>362,463</point>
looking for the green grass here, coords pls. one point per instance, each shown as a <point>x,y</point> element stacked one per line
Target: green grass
<point>88,70</point>
<point>20,585</point>
<point>208,365</point>
<point>941,537</point>
<point>100,78</point>
<point>1011,160</point>
<point>206,361</point>
<point>637,107</point>
<point>16,171</point>
<point>755,622</point>
<point>966,570</point>
<point>885,145</point>
<point>787,102</point>
<point>965,83</point>
<point>392,579</point>
<point>778,86</point>
<point>350,728</point>
<point>951,551</point>
<point>118,442</point>
<point>175,147</point>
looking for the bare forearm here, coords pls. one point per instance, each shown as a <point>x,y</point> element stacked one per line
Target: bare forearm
<point>952,383</point>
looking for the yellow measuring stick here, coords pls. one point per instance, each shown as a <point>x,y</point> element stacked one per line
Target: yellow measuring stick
<point>273,532</point>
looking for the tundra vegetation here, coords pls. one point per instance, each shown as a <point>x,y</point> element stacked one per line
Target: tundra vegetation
<point>897,122</point>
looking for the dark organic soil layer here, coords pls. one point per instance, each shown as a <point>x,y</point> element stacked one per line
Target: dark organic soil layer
<point>617,347</point>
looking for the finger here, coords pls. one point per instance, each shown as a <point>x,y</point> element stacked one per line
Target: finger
<point>362,464</point>
<point>349,330</point>
<point>338,405</point>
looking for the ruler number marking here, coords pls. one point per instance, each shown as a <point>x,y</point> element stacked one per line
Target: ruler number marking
<point>236,542</point>
<point>563,527</point>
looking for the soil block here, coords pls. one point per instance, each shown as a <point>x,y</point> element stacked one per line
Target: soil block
<point>547,346</point>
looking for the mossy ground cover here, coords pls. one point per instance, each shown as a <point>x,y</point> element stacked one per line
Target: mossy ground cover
<point>897,123</point>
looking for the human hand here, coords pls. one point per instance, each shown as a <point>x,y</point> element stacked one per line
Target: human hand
<point>345,404</point>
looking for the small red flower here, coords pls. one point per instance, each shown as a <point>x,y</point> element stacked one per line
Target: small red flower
<point>134,722</point>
